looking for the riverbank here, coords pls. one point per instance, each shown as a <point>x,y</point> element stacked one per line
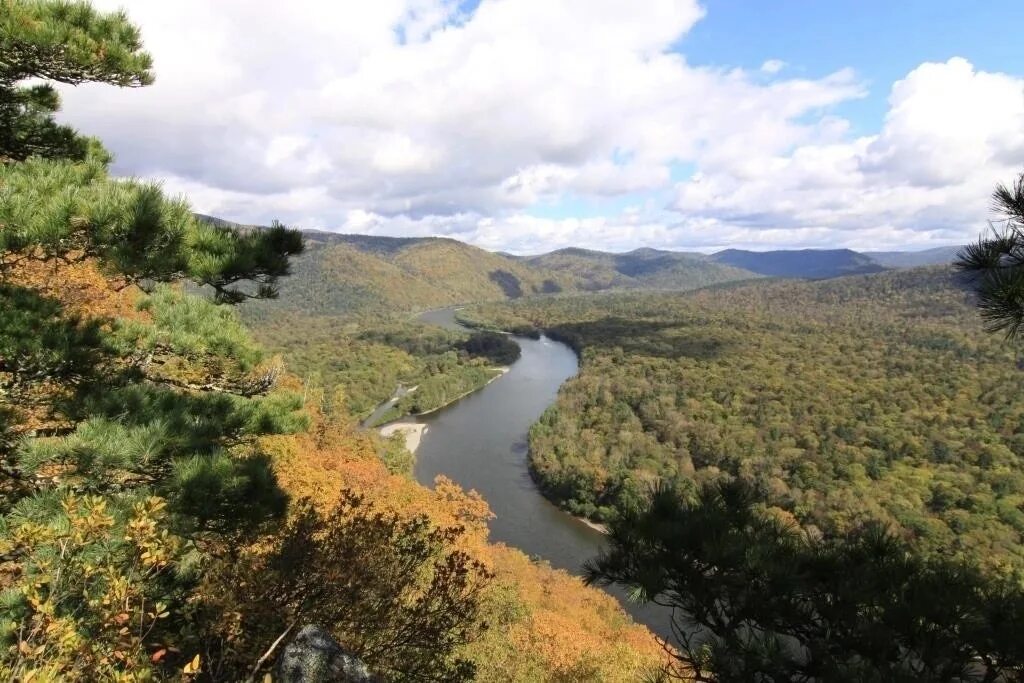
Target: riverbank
<point>596,526</point>
<point>501,372</point>
<point>412,431</point>
<point>387,413</point>
<point>374,418</point>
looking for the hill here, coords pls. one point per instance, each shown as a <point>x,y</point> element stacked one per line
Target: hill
<point>590,270</point>
<point>344,274</point>
<point>842,401</point>
<point>811,264</point>
<point>912,259</point>
<point>347,274</point>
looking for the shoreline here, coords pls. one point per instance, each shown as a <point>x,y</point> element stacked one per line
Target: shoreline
<point>412,431</point>
<point>391,402</point>
<point>502,371</point>
<point>596,526</point>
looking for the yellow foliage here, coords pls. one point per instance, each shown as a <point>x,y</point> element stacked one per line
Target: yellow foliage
<point>90,610</point>
<point>546,625</point>
<point>80,287</point>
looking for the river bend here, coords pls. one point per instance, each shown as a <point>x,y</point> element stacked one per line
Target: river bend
<point>481,442</point>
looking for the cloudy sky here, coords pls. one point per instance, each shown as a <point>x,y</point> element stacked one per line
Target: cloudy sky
<point>530,125</point>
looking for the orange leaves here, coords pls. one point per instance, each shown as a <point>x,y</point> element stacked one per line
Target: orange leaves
<point>562,627</point>
<point>468,507</point>
<point>80,287</point>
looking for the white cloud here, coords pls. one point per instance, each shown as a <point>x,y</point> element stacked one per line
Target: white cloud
<point>951,133</point>
<point>412,116</point>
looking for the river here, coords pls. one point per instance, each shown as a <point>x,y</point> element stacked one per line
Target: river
<point>481,443</point>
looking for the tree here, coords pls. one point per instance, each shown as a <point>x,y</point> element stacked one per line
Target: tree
<point>753,598</point>
<point>995,265</point>
<point>130,412</point>
<point>64,42</point>
<point>65,212</point>
<point>392,589</point>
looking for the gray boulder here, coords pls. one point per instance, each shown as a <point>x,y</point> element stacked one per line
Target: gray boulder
<point>315,657</point>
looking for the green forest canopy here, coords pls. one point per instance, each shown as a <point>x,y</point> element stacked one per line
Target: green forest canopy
<point>863,398</point>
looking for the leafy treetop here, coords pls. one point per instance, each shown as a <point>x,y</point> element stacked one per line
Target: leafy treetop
<point>66,212</point>
<point>66,42</point>
<point>995,265</point>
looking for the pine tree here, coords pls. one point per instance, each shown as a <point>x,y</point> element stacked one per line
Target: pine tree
<point>994,265</point>
<point>63,42</point>
<point>754,598</point>
<point>128,438</point>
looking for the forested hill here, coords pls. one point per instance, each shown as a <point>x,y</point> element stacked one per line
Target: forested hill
<point>912,259</point>
<point>813,264</point>
<point>639,269</point>
<point>350,274</point>
<point>874,397</point>
<point>344,274</point>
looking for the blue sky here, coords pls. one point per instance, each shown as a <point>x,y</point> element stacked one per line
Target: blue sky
<point>882,40</point>
<point>529,125</point>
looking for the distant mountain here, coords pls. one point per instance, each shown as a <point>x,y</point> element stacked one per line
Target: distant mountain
<point>645,268</point>
<point>345,273</point>
<point>912,259</point>
<point>222,223</point>
<point>811,264</point>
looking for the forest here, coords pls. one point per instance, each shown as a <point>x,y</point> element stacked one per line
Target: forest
<point>360,361</point>
<point>796,469</point>
<point>862,398</point>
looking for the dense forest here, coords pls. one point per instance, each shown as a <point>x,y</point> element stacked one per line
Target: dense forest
<point>360,361</point>
<point>348,296</point>
<point>862,398</point>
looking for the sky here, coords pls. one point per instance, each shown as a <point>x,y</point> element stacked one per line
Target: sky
<point>531,125</point>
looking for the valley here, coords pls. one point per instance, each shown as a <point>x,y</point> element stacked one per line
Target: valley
<point>609,364</point>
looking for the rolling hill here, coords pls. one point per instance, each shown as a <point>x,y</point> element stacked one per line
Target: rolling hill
<point>639,269</point>
<point>345,274</point>
<point>937,256</point>
<point>341,274</point>
<point>811,264</point>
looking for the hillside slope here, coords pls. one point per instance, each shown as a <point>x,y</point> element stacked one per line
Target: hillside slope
<point>646,268</point>
<point>912,259</point>
<point>811,264</point>
<point>351,274</point>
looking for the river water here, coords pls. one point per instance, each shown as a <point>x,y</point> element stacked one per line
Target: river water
<point>480,442</point>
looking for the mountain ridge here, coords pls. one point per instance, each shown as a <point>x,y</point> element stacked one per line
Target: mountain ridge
<point>346,272</point>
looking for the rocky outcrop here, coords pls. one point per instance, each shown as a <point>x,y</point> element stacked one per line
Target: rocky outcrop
<point>315,657</point>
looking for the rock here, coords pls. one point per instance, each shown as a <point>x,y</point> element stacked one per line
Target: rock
<point>315,657</point>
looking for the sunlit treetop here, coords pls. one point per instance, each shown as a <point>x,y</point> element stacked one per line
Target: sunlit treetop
<point>70,42</point>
